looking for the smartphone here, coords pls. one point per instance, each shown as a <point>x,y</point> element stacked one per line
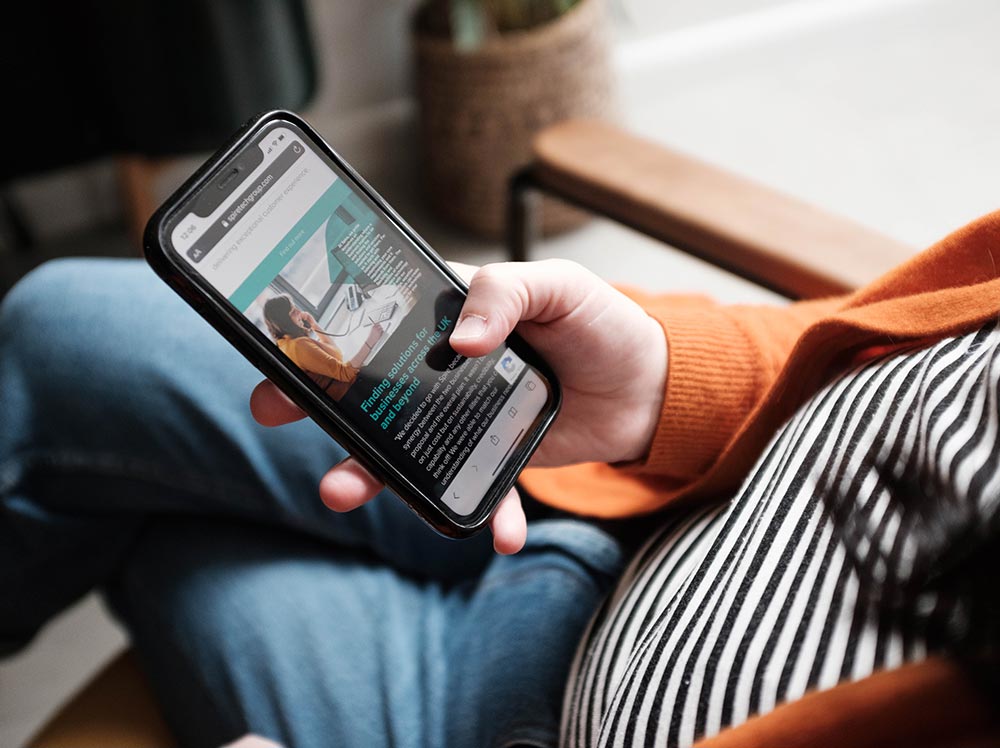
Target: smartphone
<point>283,248</point>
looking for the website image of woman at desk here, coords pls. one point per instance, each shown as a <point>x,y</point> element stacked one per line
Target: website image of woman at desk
<point>324,311</point>
<point>312,349</point>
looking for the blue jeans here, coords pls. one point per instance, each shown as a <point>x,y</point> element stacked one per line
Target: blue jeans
<point>129,462</point>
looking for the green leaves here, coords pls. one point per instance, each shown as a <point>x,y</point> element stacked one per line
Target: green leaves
<point>474,21</point>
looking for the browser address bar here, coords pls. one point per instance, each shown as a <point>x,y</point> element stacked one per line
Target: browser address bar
<point>242,204</point>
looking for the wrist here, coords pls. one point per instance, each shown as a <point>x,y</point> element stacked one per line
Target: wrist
<point>650,388</point>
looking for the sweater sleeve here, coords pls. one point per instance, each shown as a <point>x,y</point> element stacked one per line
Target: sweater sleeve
<point>316,358</point>
<point>721,362</point>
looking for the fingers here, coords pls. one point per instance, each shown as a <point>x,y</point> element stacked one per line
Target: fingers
<point>509,526</point>
<point>497,300</point>
<point>501,295</point>
<point>271,407</point>
<point>252,741</point>
<point>347,486</point>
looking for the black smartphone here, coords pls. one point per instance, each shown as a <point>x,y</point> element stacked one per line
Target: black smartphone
<point>308,272</point>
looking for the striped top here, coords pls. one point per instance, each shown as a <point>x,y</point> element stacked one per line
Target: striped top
<point>847,550</point>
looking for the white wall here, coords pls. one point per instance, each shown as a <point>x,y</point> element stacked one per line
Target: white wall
<point>363,50</point>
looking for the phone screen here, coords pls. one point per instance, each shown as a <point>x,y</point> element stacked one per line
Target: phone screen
<point>345,295</point>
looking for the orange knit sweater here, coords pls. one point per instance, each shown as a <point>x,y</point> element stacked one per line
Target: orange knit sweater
<point>735,375</point>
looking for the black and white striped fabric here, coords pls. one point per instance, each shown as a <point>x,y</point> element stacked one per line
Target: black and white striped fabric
<point>845,552</point>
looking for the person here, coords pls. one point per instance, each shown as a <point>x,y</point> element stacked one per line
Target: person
<point>737,506</point>
<point>292,330</point>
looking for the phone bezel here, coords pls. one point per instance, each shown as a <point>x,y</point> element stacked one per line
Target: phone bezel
<point>240,332</point>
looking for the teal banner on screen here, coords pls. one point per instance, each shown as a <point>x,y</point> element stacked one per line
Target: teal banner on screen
<point>289,246</point>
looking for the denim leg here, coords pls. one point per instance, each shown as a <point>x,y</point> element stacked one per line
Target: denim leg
<point>118,404</point>
<point>250,629</point>
<point>511,639</point>
<point>243,628</point>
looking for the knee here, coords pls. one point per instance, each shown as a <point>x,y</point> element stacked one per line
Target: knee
<point>70,324</point>
<point>84,315</point>
<point>58,303</point>
<point>35,314</point>
<point>41,294</point>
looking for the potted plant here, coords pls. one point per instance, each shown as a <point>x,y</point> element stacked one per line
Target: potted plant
<point>490,74</point>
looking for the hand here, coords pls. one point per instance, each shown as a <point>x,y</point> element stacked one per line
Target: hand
<point>609,355</point>
<point>252,741</point>
<point>348,485</point>
<point>374,335</point>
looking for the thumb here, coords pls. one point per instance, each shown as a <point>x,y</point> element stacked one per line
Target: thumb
<point>503,294</point>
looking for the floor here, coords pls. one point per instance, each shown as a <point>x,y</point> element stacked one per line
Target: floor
<point>880,110</point>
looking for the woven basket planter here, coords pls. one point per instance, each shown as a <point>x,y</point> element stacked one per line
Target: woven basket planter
<point>480,109</point>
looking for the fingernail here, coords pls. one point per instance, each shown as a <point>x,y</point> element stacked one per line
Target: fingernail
<point>470,327</point>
